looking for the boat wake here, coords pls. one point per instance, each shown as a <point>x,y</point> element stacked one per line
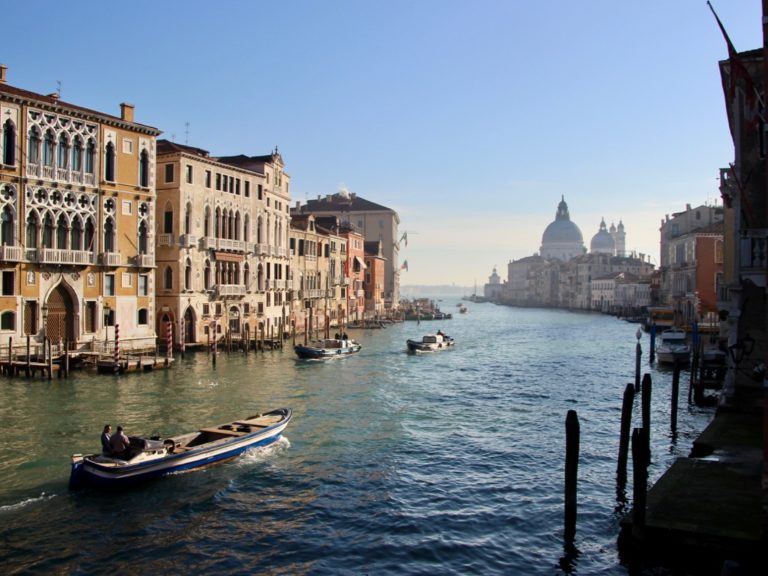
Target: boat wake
<point>26,502</point>
<point>259,455</point>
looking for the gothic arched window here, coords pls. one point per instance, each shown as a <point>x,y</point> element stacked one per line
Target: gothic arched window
<point>77,154</point>
<point>48,145</point>
<point>109,162</point>
<point>62,153</point>
<point>7,232</point>
<point>9,143</point>
<point>33,146</point>
<point>109,235</point>
<point>144,169</point>
<point>33,229</point>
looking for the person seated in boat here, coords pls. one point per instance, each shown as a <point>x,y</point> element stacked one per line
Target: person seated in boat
<point>344,336</point>
<point>105,446</point>
<point>119,444</point>
<point>337,336</point>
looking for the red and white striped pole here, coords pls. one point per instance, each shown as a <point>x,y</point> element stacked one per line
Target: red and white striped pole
<point>117,348</point>
<point>169,340</point>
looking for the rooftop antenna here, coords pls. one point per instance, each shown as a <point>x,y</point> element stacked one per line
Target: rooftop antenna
<point>186,133</point>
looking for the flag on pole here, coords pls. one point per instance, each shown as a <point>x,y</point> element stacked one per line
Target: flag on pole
<point>404,238</point>
<point>404,266</point>
<point>738,75</point>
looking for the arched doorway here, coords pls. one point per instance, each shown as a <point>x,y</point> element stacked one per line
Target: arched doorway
<point>164,328</point>
<point>189,326</point>
<point>234,320</point>
<point>60,324</point>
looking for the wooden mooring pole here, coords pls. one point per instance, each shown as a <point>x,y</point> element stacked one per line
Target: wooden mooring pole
<point>572,435</point>
<point>29,356</point>
<point>638,355</point>
<point>626,423</point>
<point>50,359</point>
<point>640,461</point>
<point>66,359</point>
<point>675,394</point>
<point>645,401</point>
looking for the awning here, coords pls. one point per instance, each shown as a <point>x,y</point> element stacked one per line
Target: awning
<point>228,257</point>
<point>360,262</point>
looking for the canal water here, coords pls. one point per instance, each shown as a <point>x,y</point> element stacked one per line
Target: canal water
<point>441,463</point>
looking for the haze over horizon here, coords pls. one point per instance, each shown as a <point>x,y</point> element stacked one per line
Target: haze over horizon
<point>471,120</point>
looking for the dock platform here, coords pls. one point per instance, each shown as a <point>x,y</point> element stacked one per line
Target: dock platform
<point>708,509</point>
<point>141,364</point>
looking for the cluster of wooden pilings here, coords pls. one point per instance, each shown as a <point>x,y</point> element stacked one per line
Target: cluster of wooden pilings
<point>638,439</point>
<point>261,340</point>
<point>244,341</point>
<point>31,359</point>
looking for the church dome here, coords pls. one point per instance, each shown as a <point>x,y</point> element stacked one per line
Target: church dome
<point>562,230</point>
<point>602,242</point>
<point>562,239</point>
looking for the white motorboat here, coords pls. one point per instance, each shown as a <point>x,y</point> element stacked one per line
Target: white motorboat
<point>430,343</point>
<point>673,347</point>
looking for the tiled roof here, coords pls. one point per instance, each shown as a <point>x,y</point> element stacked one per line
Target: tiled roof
<point>252,163</point>
<point>168,147</point>
<point>343,203</point>
<point>52,100</point>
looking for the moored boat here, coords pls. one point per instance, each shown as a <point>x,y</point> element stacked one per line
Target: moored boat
<point>149,458</point>
<point>430,343</point>
<point>328,348</point>
<point>673,347</point>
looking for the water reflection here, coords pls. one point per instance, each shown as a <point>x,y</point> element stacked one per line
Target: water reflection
<point>444,463</point>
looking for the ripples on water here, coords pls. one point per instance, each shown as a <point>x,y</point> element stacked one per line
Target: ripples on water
<point>447,463</point>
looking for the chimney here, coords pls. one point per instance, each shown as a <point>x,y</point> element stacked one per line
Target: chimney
<point>3,70</point>
<point>126,112</point>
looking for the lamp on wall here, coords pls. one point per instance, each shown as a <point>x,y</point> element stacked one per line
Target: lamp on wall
<point>741,349</point>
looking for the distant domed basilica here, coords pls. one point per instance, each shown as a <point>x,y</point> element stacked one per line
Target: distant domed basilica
<point>602,242</point>
<point>562,239</point>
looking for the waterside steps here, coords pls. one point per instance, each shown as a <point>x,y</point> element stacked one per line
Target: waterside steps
<point>706,511</point>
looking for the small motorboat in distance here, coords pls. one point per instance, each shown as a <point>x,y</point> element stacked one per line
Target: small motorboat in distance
<point>149,458</point>
<point>673,347</point>
<point>430,343</point>
<point>328,348</point>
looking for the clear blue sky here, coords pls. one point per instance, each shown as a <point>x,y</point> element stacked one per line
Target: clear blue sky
<point>469,118</point>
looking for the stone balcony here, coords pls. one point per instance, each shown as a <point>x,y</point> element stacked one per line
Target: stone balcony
<point>143,260</point>
<point>225,290</point>
<point>71,257</point>
<point>188,241</point>
<point>211,243</point>
<point>42,171</point>
<point>110,259</point>
<point>10,253</point>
